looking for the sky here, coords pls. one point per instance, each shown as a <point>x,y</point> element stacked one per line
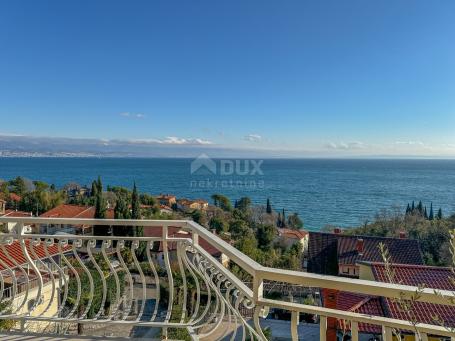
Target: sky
<point>329,78</point>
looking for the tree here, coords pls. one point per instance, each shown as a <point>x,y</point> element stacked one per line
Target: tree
<point>294,222</point>
<point>135,204</point>
<point>244,203</point>
<point>136,214</point>
<point>425,214</point>
<point>100,210</point>
<point>431,215</point>
<point>222,202</point>
<point>238,227</point>
<point>439,215</point>
<point>268,207</point>
<point>265,235</point>
<point>121,211</point>
<point>219,224</point>
<point>408,209</point>
<point>94,190</point>
<point>18,185</point>
<point>420,207</point>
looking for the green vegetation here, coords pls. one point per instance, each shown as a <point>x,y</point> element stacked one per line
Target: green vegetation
<point>433,234</point>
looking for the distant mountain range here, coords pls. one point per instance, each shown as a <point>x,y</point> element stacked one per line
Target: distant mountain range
<point>29,146</point>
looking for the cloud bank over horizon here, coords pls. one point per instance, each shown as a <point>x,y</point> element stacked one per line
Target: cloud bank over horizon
<point>173,146</point>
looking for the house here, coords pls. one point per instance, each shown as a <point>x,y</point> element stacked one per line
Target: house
<point>71,211</point>
<point>166,199</point>
<point>12,260</point>
<point>175,232</point>
<point>338,254</point>
<point>406,274</point>
<point>288,237</point>
<point>165,209</point>
<point>8,227</point>
<point>188,205</point>
<point>11,201</point>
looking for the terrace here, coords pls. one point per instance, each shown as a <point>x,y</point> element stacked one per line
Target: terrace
<point>115,284</point>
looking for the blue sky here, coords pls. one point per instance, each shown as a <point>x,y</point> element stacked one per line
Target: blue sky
<point>328,77</point>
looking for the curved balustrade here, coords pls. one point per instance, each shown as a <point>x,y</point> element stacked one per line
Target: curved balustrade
<point>167,283</point>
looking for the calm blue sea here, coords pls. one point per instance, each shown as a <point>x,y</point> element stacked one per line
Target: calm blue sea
<point>338,192</point>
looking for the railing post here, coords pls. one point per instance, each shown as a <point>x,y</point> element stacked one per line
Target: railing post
<point>354,331</point>
<point>387,333</point>
<point>258,287</point>
<point>195,238</point>
<point>294,324</point>
<point>322,328</point>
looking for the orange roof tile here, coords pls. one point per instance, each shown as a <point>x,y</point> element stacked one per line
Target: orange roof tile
<point>75,211</point>
<point>14,252</point>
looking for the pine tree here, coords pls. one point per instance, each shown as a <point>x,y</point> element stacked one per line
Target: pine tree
<point>268,208</point>
<point>431,216</point>
<point>439,215</point>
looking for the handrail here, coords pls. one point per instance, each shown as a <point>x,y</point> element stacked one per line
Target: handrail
<point>229,291</point>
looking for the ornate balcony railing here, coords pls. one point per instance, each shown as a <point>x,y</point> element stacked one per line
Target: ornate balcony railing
<point>169,283</point>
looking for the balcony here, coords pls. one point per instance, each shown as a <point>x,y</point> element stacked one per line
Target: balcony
<point>169,286</point>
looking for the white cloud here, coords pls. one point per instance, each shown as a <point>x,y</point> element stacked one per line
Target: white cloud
<point>132,115</point>
<point>410,143</point>
<point>173,140</point>
<point>346,146</point>
<point>253,137</point>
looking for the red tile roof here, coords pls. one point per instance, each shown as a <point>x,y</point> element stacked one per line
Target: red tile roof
<point>402,251</point>
<point>15,197</point>
<point>17,214</point>
<point>14,251</point>
<point>415,275</point>
<point>289,233</point>
<point>326,251</point>
<point>362,304</point>
<point>75,211</point>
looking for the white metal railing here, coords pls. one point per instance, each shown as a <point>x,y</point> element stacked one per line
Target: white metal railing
<point>193,291</point>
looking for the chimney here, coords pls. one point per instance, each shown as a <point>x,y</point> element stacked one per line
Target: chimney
<point>360,246</point>
<point>337,230</point>
<point>402,235</point>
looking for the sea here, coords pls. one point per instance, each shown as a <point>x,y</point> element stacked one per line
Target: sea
<point>338,192</point>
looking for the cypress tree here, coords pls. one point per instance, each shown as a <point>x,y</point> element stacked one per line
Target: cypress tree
<point>420,207</point>
<point>135,204</point>
<point>99,184</point>
<point>431,216</point>
<point>439,215</point>
<point>100,211</point>
<point>413,207</point>
<point>94,190</point>
<point>425,214</point>
<point>278,220</point>
<point>408,209</point>
<point>268,208</point>
<point>136,214</point>
<point>283,219</point>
